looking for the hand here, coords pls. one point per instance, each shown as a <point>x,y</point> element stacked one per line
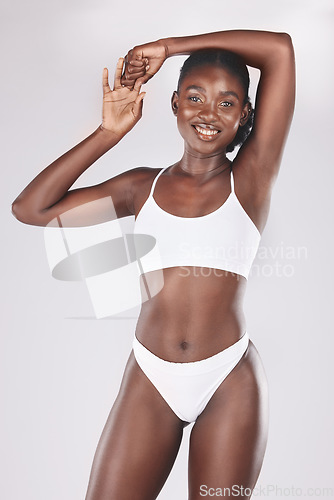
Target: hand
<point>122,107</point>
<point>144,61</point>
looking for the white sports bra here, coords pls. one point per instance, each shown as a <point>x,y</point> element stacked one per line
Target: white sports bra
<point>225,239</point>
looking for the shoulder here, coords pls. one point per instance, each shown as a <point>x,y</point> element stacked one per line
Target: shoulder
<point>134,178</point>
<point>140,183</point>
<point>141,173</point>
<point>140,177</point>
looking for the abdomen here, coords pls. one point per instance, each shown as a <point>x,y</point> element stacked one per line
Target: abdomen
<point>197,313</point>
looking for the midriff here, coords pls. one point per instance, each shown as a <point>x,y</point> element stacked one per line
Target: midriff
<point>197,313</point>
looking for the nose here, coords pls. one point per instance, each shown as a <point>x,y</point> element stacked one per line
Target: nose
<point>208,112</point>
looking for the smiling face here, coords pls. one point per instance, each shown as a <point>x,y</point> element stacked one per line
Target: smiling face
<point>209,108</point>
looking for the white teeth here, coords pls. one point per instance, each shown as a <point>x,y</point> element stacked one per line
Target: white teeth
<point>205,131</point>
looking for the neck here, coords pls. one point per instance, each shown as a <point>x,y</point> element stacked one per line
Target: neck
<point>194,163</point>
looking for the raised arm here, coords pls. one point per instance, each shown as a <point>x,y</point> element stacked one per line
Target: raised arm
<point>273,54</point>
<point>48,196</point>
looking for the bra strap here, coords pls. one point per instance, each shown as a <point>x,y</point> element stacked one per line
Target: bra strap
<point>155,181</point>
<point>232,181</point>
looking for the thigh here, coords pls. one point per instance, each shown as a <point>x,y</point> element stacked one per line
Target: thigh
<point>139,442</point>
<point>228,440</point>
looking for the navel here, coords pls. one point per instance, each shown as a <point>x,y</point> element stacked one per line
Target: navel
<point>184,345</point>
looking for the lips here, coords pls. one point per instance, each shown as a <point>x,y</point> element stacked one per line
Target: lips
<point>206,131</point>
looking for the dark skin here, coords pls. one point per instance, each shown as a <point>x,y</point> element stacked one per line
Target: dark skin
<point>200,314</point>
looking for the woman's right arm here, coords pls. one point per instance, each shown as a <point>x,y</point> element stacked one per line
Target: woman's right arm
<point>48,196</point>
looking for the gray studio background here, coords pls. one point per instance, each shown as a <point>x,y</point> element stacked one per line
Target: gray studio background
<point>60,367</point>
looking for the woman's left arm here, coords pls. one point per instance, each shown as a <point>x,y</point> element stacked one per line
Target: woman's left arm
<point>272,53</point>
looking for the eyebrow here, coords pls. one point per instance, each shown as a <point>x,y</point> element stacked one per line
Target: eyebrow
<point>221,92</point>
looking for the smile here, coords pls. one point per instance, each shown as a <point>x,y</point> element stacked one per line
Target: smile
<point>206,132</point>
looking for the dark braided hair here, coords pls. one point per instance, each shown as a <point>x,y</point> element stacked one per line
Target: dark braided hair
<point>235,65</point>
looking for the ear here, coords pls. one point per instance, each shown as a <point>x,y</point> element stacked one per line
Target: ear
<point>245,114</point>
<point>175,102</point>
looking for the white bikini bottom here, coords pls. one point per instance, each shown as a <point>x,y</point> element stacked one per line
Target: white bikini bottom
<point>188,387</point>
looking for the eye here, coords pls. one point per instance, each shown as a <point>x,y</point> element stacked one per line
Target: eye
<point>194,98</point>
<point>226,104</point>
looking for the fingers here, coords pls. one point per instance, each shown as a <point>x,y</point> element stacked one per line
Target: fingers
<point>138,83</point>
<point>138,105</point>
<point>141,80</point>
<point>131,74</point>
<point>134,72</point>
<point>118,73</point>
<point>139,63</point>
<point>138,56</point>
<point>140,98</point>
<point>127,83</point>
<point>105,83</point>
